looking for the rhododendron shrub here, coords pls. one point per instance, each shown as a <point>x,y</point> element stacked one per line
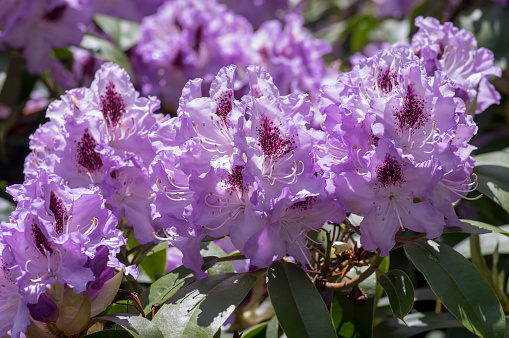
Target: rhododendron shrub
<point>278,190</point>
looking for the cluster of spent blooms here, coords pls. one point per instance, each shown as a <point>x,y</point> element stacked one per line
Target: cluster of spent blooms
<point>58,238</point>
<point>239,168</point>
<point>99,135</point>
<point>396,148</point>
<point>188,39</point>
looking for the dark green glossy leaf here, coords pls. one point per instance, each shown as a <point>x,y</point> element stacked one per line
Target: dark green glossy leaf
<point>211,250</point>
<point>351,317</point>
<point>110,334</point>
<point>399,290</point>
<point>422,294</point>
<point>493,181</point>
<point>138,326</point>
<point>201,308</point>
<point>299,308</point>
<point>124,33</point>
<point>415,323</point>
<point>165,287</point>
<point>459,286</point>
<point>107,51</point>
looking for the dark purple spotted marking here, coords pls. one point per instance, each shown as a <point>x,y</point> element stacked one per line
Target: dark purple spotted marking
<point>86,154</point>
<point>386,80</point>
<point>59,212</point>
<point>373,139</point>
<point>40,241</point>
<point>112,105</point>
<point>389,172</point>
<point>6,272</point>
<point>235,179</point>
<point>55,13</point>
<point>304,205</point>
<point>271,140</point>
<point>224,105</point>
<point>412,114</point>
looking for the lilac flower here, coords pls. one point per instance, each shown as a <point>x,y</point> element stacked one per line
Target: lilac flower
<point>394,188</point>
<point>222,165</point>
<point>100,136</point>
<point>259,11</point>
<point>188,39</point>
<point>393,8</point>
<point>291,55</point>
<point>129,10</point>
<point>39,26</point>
<point>455,52</point>
<point>55,230</point>
<point>388,123</point>
<point>13,307</point>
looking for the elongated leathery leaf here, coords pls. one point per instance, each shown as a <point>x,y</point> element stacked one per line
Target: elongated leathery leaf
<point>414,324</point>
<point>399,290</point>
<point>493,181</point>
<point>200,309</point>
<point>165,287</point>
<point>493,158</point>
<point>110,334</point>
<point>138,326</point>
<point>459,286</point>
<point>299,308</point>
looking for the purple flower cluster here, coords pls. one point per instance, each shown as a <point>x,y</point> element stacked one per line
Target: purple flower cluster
<point>55,234</point>
<point>38,26</point>
<point>454,51</point>
<point>396,149</point>
<point>240,168</point>
<point>99,136</point>
<point>188,39</point>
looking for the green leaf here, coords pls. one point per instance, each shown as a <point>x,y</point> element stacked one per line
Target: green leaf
<point>124,33</point>
<point>485,226</point>
<point>110,334</point>
<point>488,243</point>
<point>354,318</point>
<point>493,181</point>
<point>273,328</point>
<point>138,326</point>
<point>459,286</point>
<point>257,331</point>
<point>211,250</point>
<point>299,308</point>
<point>399,290</point>
<point>414,324</point>
<point>201,308</point>
<point>6,208</point>
<point>107,51</point>
<point>154,263</point>
<point>499,158</point>
<point>165,287</point>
